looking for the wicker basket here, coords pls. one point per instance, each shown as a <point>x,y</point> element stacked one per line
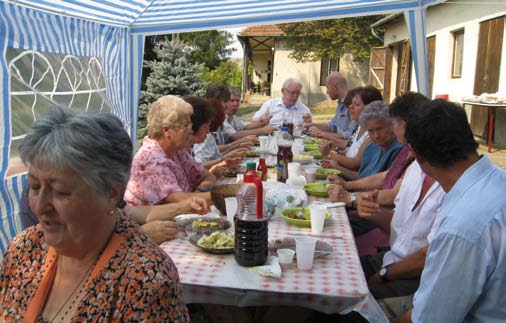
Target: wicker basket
<point>220,192</point>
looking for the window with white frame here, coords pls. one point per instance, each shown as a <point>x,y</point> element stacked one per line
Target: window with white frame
<point>458,52</point>
<point>328,65</point>
<point>39,81</point>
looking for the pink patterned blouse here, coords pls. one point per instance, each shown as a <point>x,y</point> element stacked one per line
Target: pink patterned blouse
<point>155,176</point>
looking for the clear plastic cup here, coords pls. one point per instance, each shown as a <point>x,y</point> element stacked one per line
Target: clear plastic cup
<point>317,214</point>
<point>231,207</point>
<point>263,140</point>
<point>285,257</point>
<point>310,174</point>
<point>293,169</point>
<point>305,247</point>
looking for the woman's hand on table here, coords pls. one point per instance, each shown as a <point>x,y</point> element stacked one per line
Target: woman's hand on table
<point>328,163</point>
<point>325,147</point>
<point>338,194</point>
<point>194,205</point>
<point>161,231</point>
<point>240,153</point>
<point>336,179</point>
<point>314,131</point>
<point>233,162</point>
<point>367,204</point>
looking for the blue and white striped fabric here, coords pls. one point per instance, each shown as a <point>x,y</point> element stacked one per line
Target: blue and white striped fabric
<point>166,16</point>
<point>113,31</point>
<point>25,28</point>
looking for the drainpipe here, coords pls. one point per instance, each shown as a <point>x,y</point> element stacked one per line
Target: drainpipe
<point>373,32</point>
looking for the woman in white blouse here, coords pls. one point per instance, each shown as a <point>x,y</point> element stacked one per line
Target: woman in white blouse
<point>351,157</point>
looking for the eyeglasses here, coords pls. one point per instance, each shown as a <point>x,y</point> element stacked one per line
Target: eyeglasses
<point>297,93</point>
<point>187,124</point>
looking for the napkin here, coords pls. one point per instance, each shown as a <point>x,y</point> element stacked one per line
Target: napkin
<point>270,269</point>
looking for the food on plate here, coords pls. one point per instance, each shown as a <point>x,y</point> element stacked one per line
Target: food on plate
<point>231,172</point>
<point>217,240</point>
<point>201,223</point>
<point>253,153</point>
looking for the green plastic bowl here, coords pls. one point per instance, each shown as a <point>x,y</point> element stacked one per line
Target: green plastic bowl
<point>309,147</point>
<point>306,222</point>
<point>316,154</point>
<point>317,189</point>
<point>322,173</point>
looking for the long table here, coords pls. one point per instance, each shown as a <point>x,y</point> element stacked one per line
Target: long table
<point>491,107</point>
<point>336,284</point>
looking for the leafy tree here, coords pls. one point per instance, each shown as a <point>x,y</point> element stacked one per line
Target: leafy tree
<point>227,72</point>
<point>211,46</point>
<point>172,72</point>
<point>314,40</point>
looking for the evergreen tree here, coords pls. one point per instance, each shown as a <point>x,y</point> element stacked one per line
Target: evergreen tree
<point>172,72</point>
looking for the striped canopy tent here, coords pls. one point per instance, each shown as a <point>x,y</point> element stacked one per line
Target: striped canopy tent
<point>87,54</point>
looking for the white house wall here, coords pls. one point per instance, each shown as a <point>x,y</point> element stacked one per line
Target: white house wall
<point>308,73</point>
<point>442,19</point>
<point>355,72</point>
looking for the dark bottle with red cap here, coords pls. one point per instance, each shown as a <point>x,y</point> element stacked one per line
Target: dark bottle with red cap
<point>251,231</point>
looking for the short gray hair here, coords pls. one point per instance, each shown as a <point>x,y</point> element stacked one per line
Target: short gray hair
<point>234,90</point>
<point>291,81</point>
<point>170,111</point>
<point>375,110</point>
<point>93,145</point>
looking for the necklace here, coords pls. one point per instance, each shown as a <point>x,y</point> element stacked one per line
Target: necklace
<point>67,300</point>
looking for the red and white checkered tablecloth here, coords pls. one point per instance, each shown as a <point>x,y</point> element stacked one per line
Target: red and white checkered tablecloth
<point>336,284</point>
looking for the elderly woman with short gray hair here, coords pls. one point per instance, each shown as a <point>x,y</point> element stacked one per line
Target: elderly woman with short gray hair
<point>163,170</point>
<point>86,259</point>
<point>378,155</point>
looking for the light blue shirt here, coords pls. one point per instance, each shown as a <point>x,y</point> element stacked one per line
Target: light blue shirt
<point>341,122</point>
<point>206,151</point>
<point>464,279</point>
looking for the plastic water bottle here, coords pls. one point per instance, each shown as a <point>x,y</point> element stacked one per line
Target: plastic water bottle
<point>251,230</point>
<point>285,155</point>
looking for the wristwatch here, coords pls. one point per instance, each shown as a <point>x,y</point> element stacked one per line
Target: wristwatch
<point>383,274</point>
<point>353,200</point>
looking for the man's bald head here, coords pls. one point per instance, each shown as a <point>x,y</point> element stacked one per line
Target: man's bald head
<point>336,86</point>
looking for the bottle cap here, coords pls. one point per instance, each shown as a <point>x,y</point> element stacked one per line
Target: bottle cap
<point>284,128</point>
<point>251,165</point>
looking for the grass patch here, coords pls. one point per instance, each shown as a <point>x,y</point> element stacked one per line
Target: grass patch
<point>247,110</point>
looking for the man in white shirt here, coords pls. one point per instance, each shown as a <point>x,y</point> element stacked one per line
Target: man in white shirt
<point>285,107</point>
<point>397,272</point>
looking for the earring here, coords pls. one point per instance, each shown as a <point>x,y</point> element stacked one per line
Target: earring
<point>111,213</point>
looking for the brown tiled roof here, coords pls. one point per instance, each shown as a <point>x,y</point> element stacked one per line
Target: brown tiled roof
<point>266,30</point>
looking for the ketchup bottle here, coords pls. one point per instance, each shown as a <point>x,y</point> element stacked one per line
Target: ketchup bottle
<point>262,169</point>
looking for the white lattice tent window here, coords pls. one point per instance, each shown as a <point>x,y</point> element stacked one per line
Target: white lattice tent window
<point>39,81</point>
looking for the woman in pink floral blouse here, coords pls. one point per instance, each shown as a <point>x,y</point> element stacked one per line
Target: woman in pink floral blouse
<point>163,171</point>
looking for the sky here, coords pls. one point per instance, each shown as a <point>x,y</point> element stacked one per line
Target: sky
<point>238,52</point>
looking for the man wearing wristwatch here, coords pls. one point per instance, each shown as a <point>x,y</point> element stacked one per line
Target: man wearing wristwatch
<point>397,271</point>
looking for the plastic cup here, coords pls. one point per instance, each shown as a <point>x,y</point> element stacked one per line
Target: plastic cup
<point>263,142</point>
<point>231,207</point>
<point>310,174</point>
<point>305,247</point>
<point>285,257</point>
<point>317,213</point>
<point>293,169</point>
